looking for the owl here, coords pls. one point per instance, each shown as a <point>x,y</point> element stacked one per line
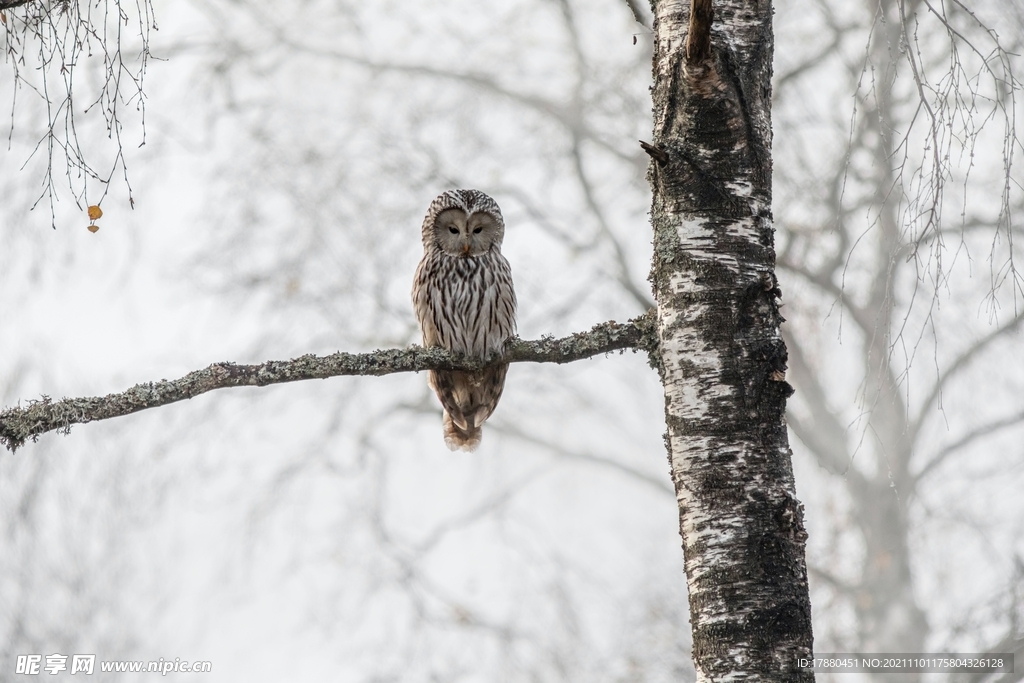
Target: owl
<point>464,300</point>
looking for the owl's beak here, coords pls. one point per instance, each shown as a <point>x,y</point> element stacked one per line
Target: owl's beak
<point>465,249</point>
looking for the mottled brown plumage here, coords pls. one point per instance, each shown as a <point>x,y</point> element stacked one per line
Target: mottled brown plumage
<point>464,300</point>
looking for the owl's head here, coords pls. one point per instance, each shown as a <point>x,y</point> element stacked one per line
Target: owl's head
<point>463,223</point>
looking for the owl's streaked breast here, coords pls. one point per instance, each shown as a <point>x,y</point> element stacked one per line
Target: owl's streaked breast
<point>470,302</point>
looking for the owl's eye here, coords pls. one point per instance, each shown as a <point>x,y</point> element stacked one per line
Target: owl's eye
<point>478,230</point>
<point>453,230</point>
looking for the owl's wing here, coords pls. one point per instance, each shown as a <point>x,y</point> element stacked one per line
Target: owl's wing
<point>423,306</point>
<point>505,304</point>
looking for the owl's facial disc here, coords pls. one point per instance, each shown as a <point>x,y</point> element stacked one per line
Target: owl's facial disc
<point>460,235</point>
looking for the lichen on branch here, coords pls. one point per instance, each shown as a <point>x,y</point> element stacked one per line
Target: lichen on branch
<point>19,424</point>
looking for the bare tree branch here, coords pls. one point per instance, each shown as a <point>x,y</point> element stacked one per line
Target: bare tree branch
<point>660,483</point>
<point>831,579</point>
<point>624,276</point>
<point>811,62</point>
<point>638,13</point>
<point>967,439</point>
<point>563,114</point>
<point>956,367</point>
<point>47,44</point>
<point>824,434</point>
<point>824,282</point>
<point>17,425</point>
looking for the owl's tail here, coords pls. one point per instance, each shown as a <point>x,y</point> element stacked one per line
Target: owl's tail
<point>457,438</point>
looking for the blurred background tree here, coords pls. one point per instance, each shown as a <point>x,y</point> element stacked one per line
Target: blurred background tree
<point>323,529</point>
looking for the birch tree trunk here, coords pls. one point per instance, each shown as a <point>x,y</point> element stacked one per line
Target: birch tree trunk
<point>723,358</point>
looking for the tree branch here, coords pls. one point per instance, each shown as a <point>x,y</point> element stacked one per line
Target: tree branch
<point>662,484</point>
<point>624,276</point>
<point>825,434</point>
<point>698,39</point>
<point>568,117</point>
<point>823,282</point>
<point>17,425</point>
<point>828,577</point>
<point>966,440</point>
<point>638,13</point>
<point>11,4</point>
<point>956,367</point>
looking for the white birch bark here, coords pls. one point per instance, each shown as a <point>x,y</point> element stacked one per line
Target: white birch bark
<point>723,358</point>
